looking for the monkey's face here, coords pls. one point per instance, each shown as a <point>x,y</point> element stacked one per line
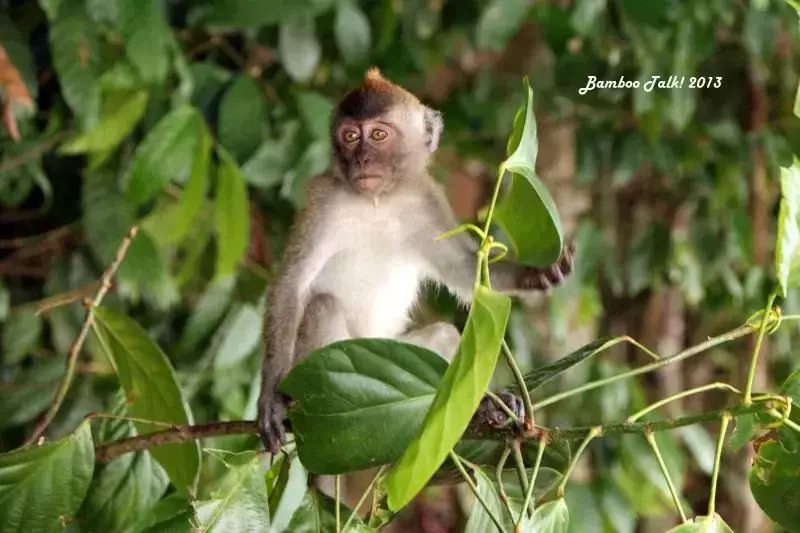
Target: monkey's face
<point>369,153</point>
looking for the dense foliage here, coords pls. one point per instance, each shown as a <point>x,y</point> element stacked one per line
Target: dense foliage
<point>152,158</point>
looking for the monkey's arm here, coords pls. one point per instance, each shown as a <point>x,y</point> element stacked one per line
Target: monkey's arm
<point>453,260</point>
<point>306,253</point>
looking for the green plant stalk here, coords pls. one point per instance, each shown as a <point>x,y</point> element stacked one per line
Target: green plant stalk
<point>501,487</point>
<point>474,488</point>
<point>786,422</point>
<point>518,377</point>
<point>726,417</point>
<point>363,498</point>
<point>595,431</point>
<point>337,497</point>
<point>652,407</point>
<point>751,373</point>
<point>501,171</point>
<point>651,440</point>
<point>532,484</point>
<point>519,463</point>
<point>737,333</point>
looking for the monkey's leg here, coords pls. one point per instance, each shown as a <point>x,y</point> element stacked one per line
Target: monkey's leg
<point>323,323</point>
<point>439,337</point>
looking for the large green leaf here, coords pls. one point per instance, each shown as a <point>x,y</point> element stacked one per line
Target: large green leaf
<point>317,514</point>
<point>787,249</point>
<point>151,390</point>
<point>366,398</point>
<point>147,37</point>
<point>527,213</point>
<point>498,23</point>
<point>194,194</point>
<point>540,376</point>
<point>75,46</point>
<point>241,118</point>
<point>164,154</point>
<point>254,13</point>
<point>299,48</point>
<point>42,486</point>
<point>459,394</point>
<point>703,524</point>
<point>551,517</point>
<point>479,520</point>
<point>240,503</point>
<point>232,216</point>
<point>111,129</point>
<point>352,32</point>
<point>124,488</point>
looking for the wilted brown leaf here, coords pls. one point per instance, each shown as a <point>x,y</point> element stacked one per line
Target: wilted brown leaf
<point>15,93</point>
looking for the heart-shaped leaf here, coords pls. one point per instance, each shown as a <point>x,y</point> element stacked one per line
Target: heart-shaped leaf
<point>459,394</point>
<point>703,524</point>
<point>42,486</point>
<point>551,517</point>
<point>527,213</point>
<point>151,390</point>
<point>366,398</point>
<point>787,250</point>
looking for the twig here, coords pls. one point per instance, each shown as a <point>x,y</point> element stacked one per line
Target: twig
<point>651,440</point>
<point>75,349</point>
<point>457,460</point>
<point>726,417</point>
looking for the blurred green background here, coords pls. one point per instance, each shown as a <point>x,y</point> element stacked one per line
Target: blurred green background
<point>671,195</point>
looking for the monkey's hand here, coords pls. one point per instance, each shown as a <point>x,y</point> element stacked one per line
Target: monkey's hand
<point>544,279</point>
<point>271,413</point>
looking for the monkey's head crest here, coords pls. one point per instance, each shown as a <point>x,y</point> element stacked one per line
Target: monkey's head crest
<point>374,81</point>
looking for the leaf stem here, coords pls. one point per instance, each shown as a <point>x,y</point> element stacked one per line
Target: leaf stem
<point>529,493</point>
<point>363,498</point>
<point>741,331</point>
<point>634,417</point>
<point>523,476</point>
<point>593,432</point>
<point>490,213</point>
<point>520,379</point>
<point>651,440</point>
<point>77,345</point>
<point>337,496</point>
<point>501,487</point>
<point>726,417</point>
<point>474,488</point>
<point>751,373</point>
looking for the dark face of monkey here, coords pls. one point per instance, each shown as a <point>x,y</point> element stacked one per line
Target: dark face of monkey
<point>381,135</point>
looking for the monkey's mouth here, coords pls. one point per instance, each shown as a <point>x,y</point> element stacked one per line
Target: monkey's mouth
<point>368,181</point>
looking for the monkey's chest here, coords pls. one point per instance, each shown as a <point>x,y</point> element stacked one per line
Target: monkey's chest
<point>376,287</point>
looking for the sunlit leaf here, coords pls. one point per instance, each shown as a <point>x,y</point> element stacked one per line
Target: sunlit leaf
<point>164,154</point>
<point>240,502</point>
<point>111,129</point>
<point>232,218</point>
<point>551,517</point>
<point>194,194</point>
<point>151,391</point>
<point>459,394</point>
<point>146,34</point>
<point>527,213</point>
<point>352,32</point>
<point>498,23</point>
<point>703,524</point>
<point>299,48</point>
<point>42,486</point>
<point>241,118</point>
<point>365,397</point>
<point>787,250</point>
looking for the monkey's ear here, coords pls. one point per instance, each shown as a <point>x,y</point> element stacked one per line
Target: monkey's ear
<point>433,128</point>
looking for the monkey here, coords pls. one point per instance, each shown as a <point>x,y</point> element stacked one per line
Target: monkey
<point>363,244</point>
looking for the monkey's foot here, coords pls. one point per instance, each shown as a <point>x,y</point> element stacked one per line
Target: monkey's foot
<point>271,412</point>
<point>548,277</point>
<point>491,415</point>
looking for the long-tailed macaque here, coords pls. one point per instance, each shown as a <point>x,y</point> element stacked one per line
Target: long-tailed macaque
<point>364,243</point>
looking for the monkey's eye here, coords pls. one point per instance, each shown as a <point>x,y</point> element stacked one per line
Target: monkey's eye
<point>350,136</point>
<point>378,134</point>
